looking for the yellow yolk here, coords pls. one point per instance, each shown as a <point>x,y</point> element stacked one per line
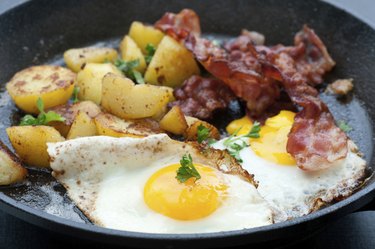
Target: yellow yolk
<point>242,125</point>
<point>191,200</point>
<point>271,145</point>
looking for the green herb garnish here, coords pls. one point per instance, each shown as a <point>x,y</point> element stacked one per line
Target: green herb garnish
<point>187,169</point>
<point>202,133</point>
<point>128,68</point>
<point>75,94</point>
<point>234,145</point>
<point>150,49</point>
<point>43,117</point>
<point>344,126</point>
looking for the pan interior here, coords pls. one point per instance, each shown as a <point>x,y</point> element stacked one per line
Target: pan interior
<point>43,40</point>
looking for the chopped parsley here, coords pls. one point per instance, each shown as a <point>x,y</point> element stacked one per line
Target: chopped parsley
<point>344,126</point>
<point>43,117</point>
<point>75,94</point>
<point>128,68</point>
<point>150,49</point>
<point>202,133</point>
<point>187,169</point>
<point>234,145</point>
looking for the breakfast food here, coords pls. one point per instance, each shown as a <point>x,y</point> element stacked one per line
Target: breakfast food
<point>11,167</point>
<point>291,191</point>
<point>151,137</point>
<point>135,187</point>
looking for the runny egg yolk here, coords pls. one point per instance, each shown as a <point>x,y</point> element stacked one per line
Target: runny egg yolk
<point>191,200</point>
<point>271,145</point>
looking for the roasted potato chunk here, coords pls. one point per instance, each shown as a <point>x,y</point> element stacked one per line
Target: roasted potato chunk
<point>11,169</point>
<point>75,58</point>
<point>124,99</point>
<point>53,84</point>
<point>110,125</point>
<point>83,126</point>
<point>171,64</point>
<point>69,112</point>
<point>30,143</point>
<point>130,51</point>
<point>143,35</point>
<point>174,121</point>
<point>89,80</point>
<point>192,130</point>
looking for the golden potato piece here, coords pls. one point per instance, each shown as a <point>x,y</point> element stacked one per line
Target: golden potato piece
<point>69,112</point>
<point>83,126</point>
<point>192,130</point>
<point>89,80</point>
<point>130,51</point>
<point>30,143</point>
<point>110,125</point>
<point>174,121</point>
<point>11,169</point>
<point>143,35</point>
<point>171,64</point>
<point>124,99</point>
<point>75,58</point>
<point>53,84</point>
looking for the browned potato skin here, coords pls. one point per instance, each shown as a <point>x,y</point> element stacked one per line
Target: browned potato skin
<point>69,112</point>
<point>11,169</point>
<point>110,125</point>
<point>75,58</point>
<point>53,84</point>
<point>174,121</point>
<point>123,98</point>
<point>171,64</point>
<point>30,143</point>
<point>83,126</point>
<point>192,130</point>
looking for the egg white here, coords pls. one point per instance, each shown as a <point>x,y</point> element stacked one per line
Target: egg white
<point>293,192</point>
<point>105,177</point>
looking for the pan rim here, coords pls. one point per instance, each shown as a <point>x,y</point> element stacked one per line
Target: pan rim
<point>12,206</point>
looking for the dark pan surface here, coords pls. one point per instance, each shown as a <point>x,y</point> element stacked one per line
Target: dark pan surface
<point>39,32</point>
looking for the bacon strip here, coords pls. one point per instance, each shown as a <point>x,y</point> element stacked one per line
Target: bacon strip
<point>201,97</point>
<point>181,25</point>
<point>241,72</point>
<point>314,140</point>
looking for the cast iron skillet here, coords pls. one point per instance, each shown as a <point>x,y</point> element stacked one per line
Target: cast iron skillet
<point>38,32</point>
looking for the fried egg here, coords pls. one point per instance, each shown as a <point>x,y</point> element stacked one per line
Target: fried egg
<point>291,191</point>
<point>130,184</point>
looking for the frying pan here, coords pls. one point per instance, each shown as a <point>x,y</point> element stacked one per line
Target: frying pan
<point>38,32</point>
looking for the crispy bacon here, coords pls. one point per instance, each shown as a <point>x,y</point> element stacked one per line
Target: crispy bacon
<point>314,140</point>
<point>201,97</point>
<point>181,25</point>
<point>240,71</point>
<point>310,55</point>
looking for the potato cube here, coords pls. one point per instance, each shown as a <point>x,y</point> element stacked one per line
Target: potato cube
<point>124,99</point>
<point>11,169</point>
<point>143,35</point>
<point>174,121</point>
<point>69,112</point>
<point>83,126</point>
<point>53,84</point>
<point>130,51</point>
<point>89,80</point>
<point>171,64</point>
<point>30,143</point>
<point>75,58</point>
